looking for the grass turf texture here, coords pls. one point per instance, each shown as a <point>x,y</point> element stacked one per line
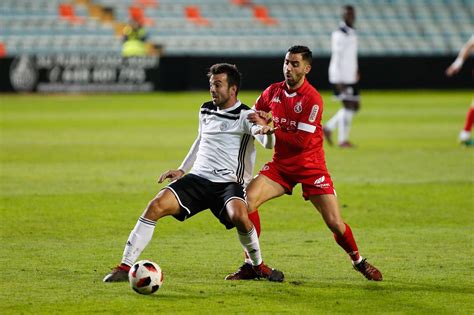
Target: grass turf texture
<point>77,171</point>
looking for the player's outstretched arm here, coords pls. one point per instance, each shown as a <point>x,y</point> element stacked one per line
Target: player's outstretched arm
<point>260,117</point>
<point>171,175</point>
<point>265,130</point>
<point>258,122</point>
<point>464,53</point>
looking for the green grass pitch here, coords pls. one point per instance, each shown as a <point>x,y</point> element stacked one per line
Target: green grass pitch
<point>77,171</point>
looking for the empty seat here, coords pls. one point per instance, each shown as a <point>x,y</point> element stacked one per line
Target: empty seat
<point>260,12</point>
<point>137,13</point>
<point>193,14</point>
<point>3,50</point>
<point>66,12</point>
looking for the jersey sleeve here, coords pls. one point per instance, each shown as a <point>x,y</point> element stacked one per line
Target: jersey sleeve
<point>337,42</point>
<point>267,140</point>
<point>337,47</point>
<point>311,115</point>
<point>247,127</point>
<point>190,158</point>
<point>263,101</point>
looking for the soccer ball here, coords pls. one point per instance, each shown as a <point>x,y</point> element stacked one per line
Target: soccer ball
<point>145,277</point>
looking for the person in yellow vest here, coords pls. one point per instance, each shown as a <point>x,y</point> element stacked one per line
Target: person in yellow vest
<point>134,40</point>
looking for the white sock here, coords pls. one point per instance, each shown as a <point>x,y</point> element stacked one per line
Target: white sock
<point>357,261</point>
<point>344,126</point>
<point>464,135</point>
<point>251,246</point>
<point>334,121</point>
<point>137,240</point>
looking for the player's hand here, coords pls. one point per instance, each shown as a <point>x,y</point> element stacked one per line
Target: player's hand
<point>452,70</point>
<point>456,66</point>
<point>265,130</point>
<point>260,117</point>
<point>171,175</point>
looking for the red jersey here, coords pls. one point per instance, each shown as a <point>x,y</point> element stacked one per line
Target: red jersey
<point>299,137</point>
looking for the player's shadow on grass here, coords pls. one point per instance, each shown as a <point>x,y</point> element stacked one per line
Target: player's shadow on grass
<point>418,287</point>
<point>387,286</point>
<point>293,286</point>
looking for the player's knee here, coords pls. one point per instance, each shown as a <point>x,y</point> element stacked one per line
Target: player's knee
<point>240,219</point>
<point>236,216</point>
<point>334,223</point>
<point>356,106</point>
<point>252,199</point>
<point>352,105</point>
<point>155,209</point>
<point>336,226</point>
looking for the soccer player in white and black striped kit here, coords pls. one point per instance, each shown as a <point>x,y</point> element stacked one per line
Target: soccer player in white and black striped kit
<point>220,164</point>
<point>344,76</point>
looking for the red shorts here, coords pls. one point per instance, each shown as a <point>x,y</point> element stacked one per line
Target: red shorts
<point>313,182</point>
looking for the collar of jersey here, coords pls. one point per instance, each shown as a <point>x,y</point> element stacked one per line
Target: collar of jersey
<point>293,93</point>
<point>344,25</point>
<point>230,108</point>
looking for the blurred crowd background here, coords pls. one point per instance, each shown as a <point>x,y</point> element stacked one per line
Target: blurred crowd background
<point>232,28</point>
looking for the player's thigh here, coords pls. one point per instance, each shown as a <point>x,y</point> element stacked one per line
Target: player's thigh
<point>352,105</point>
<point>236,207</point>
<point>262,189</point>
<point>164,203</point>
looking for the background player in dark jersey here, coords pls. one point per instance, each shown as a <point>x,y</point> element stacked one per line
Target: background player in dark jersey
<point>219,157</point>
<point>296,108</point>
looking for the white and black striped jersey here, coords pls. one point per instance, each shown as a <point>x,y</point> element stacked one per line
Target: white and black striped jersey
<point>343,66</point>
<point>224,149</point>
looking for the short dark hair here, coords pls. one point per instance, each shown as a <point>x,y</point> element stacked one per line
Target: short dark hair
<point>304,51</point>
<point>233,74</point>
<point>348,7</point>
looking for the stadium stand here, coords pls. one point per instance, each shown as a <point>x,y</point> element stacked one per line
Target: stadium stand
<point>234,27</point>
<point>53,26</point>
<point>193,14</point>
<point>67,12</point>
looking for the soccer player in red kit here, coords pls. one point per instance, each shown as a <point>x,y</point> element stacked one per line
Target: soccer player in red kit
<point>296,109</point>
<point>465,135</point>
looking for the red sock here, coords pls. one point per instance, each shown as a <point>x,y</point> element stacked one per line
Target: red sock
<point>255,218</point>
<point>469,119</point>
<point>125,267</point>
<point>348,243</point>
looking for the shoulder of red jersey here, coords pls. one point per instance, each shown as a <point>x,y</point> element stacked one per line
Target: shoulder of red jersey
<point>275,86</point>
<point>263,100</point>
<point>313,94</point>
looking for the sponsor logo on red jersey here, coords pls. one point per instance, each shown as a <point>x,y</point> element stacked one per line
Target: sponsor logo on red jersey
<point>284,123</point>
<point>276,99</point>
<point>314,113</point>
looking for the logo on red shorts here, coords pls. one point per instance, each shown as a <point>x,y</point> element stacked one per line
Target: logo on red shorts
<point>320,182</point>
